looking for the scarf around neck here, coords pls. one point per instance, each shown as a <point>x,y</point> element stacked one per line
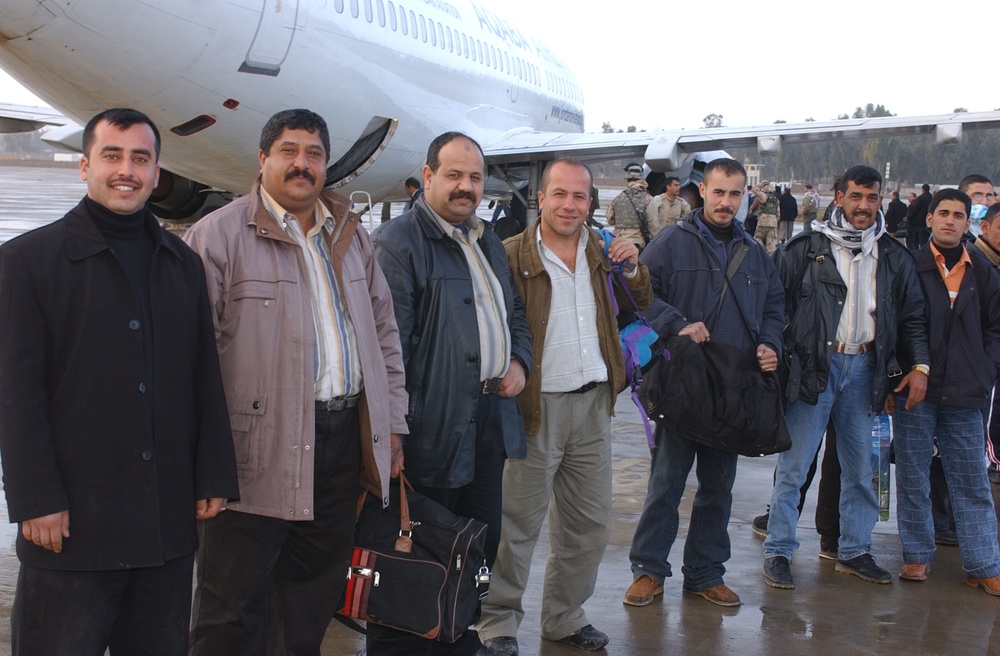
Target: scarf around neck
<point>840,231</point>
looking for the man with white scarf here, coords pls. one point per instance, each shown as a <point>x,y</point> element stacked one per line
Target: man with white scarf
<point>854,302</point>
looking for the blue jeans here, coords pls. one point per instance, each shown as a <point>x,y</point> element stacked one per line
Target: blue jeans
<point>707,546</point>
<point>959,433</point>
<point>847,402</point>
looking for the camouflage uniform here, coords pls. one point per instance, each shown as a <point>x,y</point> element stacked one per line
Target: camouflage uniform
<point>623,216</point>
<point>767,217</point>
<point>809,209</point>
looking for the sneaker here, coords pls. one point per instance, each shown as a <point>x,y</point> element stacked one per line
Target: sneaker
<point>777,573</point>
<point>501,646</point>
<point>864,567</point>
<point>759,525</point>
<point>588,638</point>
<point>828,548</point>
<point>642,591</point>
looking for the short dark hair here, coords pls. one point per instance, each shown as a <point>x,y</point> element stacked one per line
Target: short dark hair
<point>294,119</point>
<point>442,140</point>
<point>895,195</point>
<point>671,178</point>
<point>992,212</point>
<point>412,183</point>
<point>925,187</point>
<point>726,165</point>
<point>861,175</point>
<point>122,118</point>
<point>809,186</point>
<point>972,179</point>
<point>950,194</point>
<point>569,161</point>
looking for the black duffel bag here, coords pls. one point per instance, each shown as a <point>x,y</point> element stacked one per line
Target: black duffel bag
<point>714,394</point>
<point>417,567</point>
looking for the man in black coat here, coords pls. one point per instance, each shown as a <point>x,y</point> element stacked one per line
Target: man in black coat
<point>916,217</point>
<point>894,214</point>
<point>113,424</point>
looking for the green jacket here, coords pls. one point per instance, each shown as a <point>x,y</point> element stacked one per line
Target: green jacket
<point>535,288</point>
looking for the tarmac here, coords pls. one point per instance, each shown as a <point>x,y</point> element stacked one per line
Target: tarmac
<point>827,612</point>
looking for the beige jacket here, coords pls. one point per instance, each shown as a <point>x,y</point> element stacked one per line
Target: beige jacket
<point>259,290</point>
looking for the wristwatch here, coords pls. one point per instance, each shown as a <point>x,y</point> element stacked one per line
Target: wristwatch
<point>922,368</point>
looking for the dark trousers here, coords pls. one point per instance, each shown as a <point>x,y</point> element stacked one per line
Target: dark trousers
<point>271,586</point>
<point>137,612</point>
<point>481,499</point>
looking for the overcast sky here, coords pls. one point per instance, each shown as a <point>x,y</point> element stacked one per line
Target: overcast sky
<point>663,64</point>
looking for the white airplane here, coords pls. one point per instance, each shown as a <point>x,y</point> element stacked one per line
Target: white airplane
<point>388,76</point>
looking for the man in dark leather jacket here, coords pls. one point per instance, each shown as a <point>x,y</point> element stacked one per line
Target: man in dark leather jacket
<point>466,350</point>
<point>840,349</point>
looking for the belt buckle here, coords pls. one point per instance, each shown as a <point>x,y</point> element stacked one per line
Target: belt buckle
<point>490,386</point>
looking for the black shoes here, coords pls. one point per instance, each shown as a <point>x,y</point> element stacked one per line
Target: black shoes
<point>828,548</point>
<point>777,573</point>
<point>501,646</point>
<point>946,537</point>
<point>864,567</point>
<point>587,638</point>
<point>759,524</point>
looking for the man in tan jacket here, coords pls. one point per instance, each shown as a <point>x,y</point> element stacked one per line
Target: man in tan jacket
<point>313,372</point>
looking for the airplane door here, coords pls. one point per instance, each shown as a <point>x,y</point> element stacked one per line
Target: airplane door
<point>273,39</point>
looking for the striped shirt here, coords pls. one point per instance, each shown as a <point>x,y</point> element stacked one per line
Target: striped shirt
<point>952,277</point>
<point>336,360</point>
<point>572,346</point>
<point>491,310</point>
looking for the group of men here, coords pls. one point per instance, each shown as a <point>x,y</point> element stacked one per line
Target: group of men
<point>217,406</point>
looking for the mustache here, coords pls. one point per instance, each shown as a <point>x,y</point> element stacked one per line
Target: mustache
<point>461,194</point>
<point>300,173</point>
<point>127,180</point>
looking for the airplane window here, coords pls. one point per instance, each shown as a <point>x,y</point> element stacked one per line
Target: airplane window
<point>440,31</point>
<point>430,28</point>
<point>465,45</point>
<point>402,20</point>
<point>381,13</point>
<point>354,8</point>
<point>368,10</point>
<point>493,56</point>
<point>451,42</point>
<point>479,50</point>
<point>413,24</point>
<point>506,62</point>
<point>391,9</point>
<point>423,28</point>
<point>339,6</point>
<point>517,68</point>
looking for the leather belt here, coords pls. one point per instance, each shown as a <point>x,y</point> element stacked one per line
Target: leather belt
<point>339,403</point>
<point>584,388</point>
<point>853,349</point>
<point>490,386</point>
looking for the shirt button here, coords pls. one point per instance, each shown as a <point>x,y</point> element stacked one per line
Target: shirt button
<point>133,324</point>
<point>305,512</point>
<point>375,438</point>
<point>142,388</point>
<point>306,447</point>
<point>473,358</point>
<point>147,455</point>
<point>467,300</point>
<point>263,231</point>
<point>256,405</point>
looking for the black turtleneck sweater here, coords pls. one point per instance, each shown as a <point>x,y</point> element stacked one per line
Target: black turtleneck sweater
<point>951,255</point>
<point>133,246</point>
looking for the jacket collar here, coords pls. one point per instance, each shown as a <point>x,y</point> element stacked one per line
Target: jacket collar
<point>84,239</point>
<point>266,226</point>
<point>530,260</point>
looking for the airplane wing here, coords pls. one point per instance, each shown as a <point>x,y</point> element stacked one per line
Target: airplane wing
<point>674,150</point>
<point>24,118</point>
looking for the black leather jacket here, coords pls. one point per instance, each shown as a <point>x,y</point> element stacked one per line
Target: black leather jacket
<point>436,314</point>
<point>814,297</point>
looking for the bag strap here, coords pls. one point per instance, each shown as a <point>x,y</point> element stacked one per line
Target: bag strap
<point>734,264</point>
<point>404,541</point>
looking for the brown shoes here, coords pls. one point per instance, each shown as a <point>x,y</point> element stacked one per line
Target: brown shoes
<point>991,585</point>
<point>915,572</point>
<point>642,591</point>
<point>720,595</point>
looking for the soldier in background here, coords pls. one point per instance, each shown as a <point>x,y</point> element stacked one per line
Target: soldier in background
<point>767,216</point>
<point>810,208</point>
<point>629,210</point>
<point>666,208</point>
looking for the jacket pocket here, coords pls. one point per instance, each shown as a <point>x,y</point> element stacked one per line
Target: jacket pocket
<point>247,417</point>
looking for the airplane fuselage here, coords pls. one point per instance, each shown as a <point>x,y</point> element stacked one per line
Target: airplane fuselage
<point>428,65</point>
